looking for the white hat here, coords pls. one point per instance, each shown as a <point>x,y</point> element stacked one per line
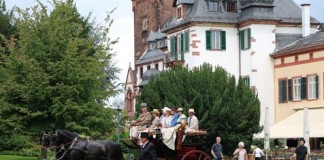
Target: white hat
<point>191,111</point>
<point>180,109</point>
<point>166,109</point>
<point>241,144</point>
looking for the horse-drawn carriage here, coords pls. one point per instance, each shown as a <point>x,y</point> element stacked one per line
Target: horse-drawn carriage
<point>188,146</point>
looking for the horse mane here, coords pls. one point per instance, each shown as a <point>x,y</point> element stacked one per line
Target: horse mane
<point>67,133</point>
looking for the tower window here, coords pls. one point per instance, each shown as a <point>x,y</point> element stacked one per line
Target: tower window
<point>141,72</point>
<point>231,6</point>
<point>213,6</point>
<point>179,12</point>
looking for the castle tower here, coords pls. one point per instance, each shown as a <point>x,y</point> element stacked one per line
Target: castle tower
<point>149,15</point>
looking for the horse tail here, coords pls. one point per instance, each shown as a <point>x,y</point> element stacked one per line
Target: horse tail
<point>120,151</point>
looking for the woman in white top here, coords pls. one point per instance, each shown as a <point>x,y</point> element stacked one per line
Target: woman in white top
<point>168,117</point>
<point>240,152</point>
<point>258,153</point>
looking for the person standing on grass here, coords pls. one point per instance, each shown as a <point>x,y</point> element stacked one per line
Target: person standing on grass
<point>217,150</point>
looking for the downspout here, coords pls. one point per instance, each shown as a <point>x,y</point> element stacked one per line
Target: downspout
<point>239,42</point>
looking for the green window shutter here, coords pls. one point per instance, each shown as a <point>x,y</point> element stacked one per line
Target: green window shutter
<point>249,82</point>
<point>249,38</point>
<point>223,39</point>
<point>242,39</point>
<point>290,91</point>
<point>282,91</point>
<point>317,87</point>
<point>208,40</point>
<point>176,48</point>
<point>186,41</point>
<point>304,88</point>
<point>172,44</point>
<point>182,46</point>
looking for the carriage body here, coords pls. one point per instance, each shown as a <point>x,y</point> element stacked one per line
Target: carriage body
<point>190,149</point>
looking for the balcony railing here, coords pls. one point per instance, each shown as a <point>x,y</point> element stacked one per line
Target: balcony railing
<point>173,59</point>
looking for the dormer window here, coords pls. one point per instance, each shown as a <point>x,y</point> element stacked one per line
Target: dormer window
<point>161,43</point>
<point>213,6</point>
<point>152,46</point>
<point>179,12</point>
<point>231,7</point>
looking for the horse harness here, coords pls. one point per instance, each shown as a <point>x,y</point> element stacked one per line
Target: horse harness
<point>72,147</point>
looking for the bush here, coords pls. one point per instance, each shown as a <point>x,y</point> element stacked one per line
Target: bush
<point>29,152</point>
<point>14,142</point>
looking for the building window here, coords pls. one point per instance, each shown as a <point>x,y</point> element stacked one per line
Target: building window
<point>312,87</point>
<point>161,43</point>
<point>179,12</point>
<point>297,89</point>
<point>152,46</point>
<point>245,39</point>
<point>148,67</point>
<point>179,45</point>
<point>282,91</point>
<point>246,80</point>
<point>157,66</point>
<point>213,6</point>
<point>215,40</point>
<point>231,6</point>
<point>141,72</point>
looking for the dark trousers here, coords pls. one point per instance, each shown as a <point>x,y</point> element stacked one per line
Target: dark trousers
<point>258,158</point>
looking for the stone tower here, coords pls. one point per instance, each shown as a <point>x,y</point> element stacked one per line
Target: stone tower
<point>149,15</point>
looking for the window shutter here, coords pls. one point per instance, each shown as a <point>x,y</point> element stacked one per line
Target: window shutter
<point>172,43</point>
<point>223,39</point>
<point>182,46</point>
<point>284,90</point>
<point>242,39</point>
<point>249,38</point>
<point>317,87</point>
<point>176,48</point>
<point>290,90</point>
<point>186,41</point>
<point>249,84</point>
<point>304,88</point>
<point>208,40</point>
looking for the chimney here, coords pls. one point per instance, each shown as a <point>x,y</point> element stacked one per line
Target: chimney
<point>306,19</point>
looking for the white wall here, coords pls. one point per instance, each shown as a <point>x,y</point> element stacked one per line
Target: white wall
<point>228,58</point>
<point>292,30</point>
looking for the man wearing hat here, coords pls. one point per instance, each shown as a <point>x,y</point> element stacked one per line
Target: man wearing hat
<point>192,121</point>
<point>147,150</point>
<point>143,121</point>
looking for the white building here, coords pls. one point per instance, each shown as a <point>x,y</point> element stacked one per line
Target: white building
<point>237,35</point>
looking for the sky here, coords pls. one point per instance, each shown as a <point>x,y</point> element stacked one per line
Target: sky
<point>123,23</point>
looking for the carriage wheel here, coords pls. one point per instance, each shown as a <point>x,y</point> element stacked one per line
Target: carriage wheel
<point>196,155</point>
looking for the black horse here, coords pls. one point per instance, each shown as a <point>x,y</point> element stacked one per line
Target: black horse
<point>69,146</point>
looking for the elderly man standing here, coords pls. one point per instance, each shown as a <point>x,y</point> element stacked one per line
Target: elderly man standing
<point>192,121</point>
<point>143,121</point>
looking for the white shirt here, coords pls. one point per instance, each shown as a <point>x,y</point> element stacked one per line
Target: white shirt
<point>193,122</point>
<point>258,152</point>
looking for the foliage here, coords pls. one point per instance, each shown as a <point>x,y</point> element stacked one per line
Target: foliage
<point>224,106</point>
<point>14,142</point>
<point>58,74</point>
<point>9,157</point>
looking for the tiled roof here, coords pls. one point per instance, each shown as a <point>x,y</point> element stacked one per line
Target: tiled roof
<point>286,11</point>
<point>156,36</point>
<point>150,56</point>
<point>308,42</point>
<point>183,2</point>
<point>283,40</point>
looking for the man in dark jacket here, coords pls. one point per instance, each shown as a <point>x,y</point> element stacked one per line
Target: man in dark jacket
<point>147,150</point>
<point>301,151</point>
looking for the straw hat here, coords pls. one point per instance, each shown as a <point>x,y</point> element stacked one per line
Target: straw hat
<point>191,111</point>
<point>166,109</point>
<point>180,109</point>
<point>155,111</point>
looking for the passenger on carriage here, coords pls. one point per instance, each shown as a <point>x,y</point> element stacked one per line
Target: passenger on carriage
<point>142,122</point>
<point>182,117</point>
<point>162,117</point>
<point>168,117</point>
<point>192,122</point>
<point>156,120</point>
<point>175,117</point>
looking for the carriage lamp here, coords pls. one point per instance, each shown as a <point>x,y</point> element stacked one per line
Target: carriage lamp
<point>118,104</point>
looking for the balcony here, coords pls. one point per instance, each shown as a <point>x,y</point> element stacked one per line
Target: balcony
<point>172,60</point>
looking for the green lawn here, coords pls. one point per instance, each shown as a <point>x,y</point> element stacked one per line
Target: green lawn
<point>4,157</point>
